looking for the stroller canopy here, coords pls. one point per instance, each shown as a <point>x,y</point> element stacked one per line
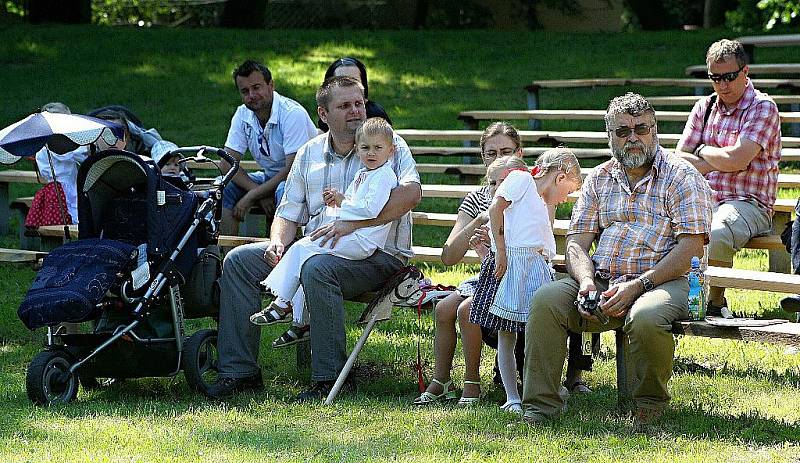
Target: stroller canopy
<point>122,196</point>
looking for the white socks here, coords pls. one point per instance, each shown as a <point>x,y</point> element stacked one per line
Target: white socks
<point>507,363</point>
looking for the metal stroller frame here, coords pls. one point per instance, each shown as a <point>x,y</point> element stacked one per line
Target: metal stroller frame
<point>53,375</point>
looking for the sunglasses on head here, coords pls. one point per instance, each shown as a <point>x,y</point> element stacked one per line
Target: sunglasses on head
<point>638,129</point>
<point>727,77</point>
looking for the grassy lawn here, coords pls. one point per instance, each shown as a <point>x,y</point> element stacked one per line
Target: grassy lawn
<point>732,401</point>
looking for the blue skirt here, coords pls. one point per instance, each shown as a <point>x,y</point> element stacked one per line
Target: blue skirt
<point>527,271</point>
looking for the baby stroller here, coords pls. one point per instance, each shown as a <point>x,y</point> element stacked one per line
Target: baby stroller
<point>145,259</point>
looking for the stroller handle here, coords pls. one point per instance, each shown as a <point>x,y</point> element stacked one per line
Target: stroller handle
<point>199,151</point>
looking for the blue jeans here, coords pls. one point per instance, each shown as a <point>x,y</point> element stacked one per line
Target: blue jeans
<point>233,192</point>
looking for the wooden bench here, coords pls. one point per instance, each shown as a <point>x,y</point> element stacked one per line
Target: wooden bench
<point>750,42</point>
<point>472,118</point>
<point>689,100</point>
<point>6,178</point>
<point>791,70</point>
<point>552,138</point>
<point>699,86</point>
<point>21,256</point>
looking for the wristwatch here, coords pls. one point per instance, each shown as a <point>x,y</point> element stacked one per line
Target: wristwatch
<point>698,149</point>
<point>647,284</point>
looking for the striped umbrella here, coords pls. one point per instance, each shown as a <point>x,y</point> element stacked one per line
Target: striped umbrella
<point>61,133</point>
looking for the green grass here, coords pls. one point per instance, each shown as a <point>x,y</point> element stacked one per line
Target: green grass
<point>731,400</point>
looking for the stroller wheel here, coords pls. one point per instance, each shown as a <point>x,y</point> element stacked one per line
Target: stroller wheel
<point>49,381</point>
<point>201,360</point>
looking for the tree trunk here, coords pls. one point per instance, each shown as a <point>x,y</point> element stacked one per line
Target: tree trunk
<point>421,14</point>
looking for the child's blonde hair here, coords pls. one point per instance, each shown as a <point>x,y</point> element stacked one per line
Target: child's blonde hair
<point>561,158</point>
<point>505,163</point>
<point>375,127</point>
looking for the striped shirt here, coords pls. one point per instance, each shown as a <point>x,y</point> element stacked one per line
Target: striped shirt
<point>755,117</point>
<point>476,202</point>
<point>638,227</point>
<point>317,166</point>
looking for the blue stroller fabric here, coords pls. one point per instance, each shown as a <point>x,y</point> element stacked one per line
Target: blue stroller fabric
<point>73,280</point>
<point>122,196</point>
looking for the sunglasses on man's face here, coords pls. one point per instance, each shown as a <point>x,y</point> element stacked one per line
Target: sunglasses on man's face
<point>638,129</point>
<point>726,77</point>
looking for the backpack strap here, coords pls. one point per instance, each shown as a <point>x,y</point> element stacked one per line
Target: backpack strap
<point>711,102</point>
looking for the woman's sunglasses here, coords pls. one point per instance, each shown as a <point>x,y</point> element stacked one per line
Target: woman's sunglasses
<point>727,77</point>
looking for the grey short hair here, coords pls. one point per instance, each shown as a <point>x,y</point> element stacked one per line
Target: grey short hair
<point>56,107</point>
<point>722,49</point>
<point>630,103</point>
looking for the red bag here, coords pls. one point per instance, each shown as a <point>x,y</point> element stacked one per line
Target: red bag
<point>49,207</point>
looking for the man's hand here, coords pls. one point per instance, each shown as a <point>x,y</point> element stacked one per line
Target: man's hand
<point>583,290</point>
<point>268,204</point>
<point>242,207</point>
<point>331,197</point>
<point>332,232</point>
<point>274,252</point>
<point>500,264</point>
<point>619,298</point>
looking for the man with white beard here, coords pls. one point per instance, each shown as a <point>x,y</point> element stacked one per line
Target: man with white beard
<point>649,212</point>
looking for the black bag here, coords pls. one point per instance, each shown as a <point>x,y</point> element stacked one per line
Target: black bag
<point>201,291</point>
<point>74,278</point>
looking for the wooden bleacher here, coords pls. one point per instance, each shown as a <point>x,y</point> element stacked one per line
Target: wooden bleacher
<point>689,100</point>
<point>472,118</point>
<point>791,70</point>
<point>750,42</point>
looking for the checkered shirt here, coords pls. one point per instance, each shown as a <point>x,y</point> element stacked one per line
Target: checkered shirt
<point>638,227</point>
<point>755,118</point>
<point>317,166</point>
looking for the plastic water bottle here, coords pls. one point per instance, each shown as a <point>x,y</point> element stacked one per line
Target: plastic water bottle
<point>697,305</point>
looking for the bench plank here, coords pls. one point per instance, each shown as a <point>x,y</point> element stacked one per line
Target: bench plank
<point>652,82</point>
<point>583,114</point>
<point>780,40</point>
<point>566,137</point>
<point>701,70</point>
<point>688,100</point>
<point>20,256</point>
<point>781,333</point>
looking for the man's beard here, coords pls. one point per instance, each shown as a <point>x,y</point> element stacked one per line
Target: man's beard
<point>645,155</point>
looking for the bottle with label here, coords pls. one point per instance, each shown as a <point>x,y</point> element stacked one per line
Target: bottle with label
<point>697,306</point>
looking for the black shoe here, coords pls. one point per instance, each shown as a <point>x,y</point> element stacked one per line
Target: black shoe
<point>317,392</point>
<point>716,310</point>
<point>791,303</point>
<point>226,387</point>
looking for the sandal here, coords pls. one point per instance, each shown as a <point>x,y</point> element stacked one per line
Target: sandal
<point>271,315</point>
<point>469,401</point>
<point>579,387</point>
<point>293,335</point>
<point>512,406</point>
<point>429,397</point>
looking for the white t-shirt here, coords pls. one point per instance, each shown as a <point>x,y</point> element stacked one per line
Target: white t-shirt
<point>365,198</point>
<point>66,167</point>
<point>289,127</point>
<point>526,220</point>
